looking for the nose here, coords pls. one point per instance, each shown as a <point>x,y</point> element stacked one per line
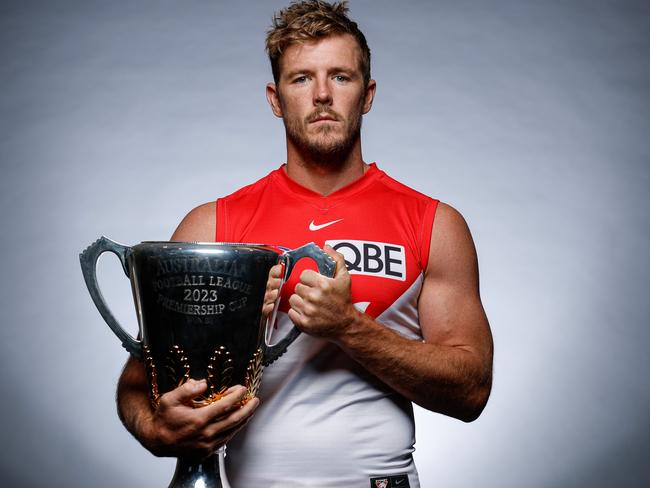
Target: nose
<point>322,92</point>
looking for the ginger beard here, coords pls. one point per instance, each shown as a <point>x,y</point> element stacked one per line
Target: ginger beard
<point>324,143</point>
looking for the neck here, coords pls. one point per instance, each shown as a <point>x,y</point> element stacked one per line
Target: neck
<point>325,177</point>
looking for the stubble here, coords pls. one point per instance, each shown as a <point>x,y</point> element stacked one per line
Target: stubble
<point>329,145</point>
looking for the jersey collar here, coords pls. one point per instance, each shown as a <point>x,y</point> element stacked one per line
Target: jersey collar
<point>287,184</point>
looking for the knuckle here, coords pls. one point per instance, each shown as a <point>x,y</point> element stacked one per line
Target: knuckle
<point>227,407</point>
<point>238,416</point>
<point>306,322</point>
<point>222,405</point>
<point>164,403</point>
<point>317,296</point>
<point>272,285</point>
<point>310,309</point>
<point>196,424</point>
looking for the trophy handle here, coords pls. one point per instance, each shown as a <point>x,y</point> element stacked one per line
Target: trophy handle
<point>326,266</point>
<point>88,260</point>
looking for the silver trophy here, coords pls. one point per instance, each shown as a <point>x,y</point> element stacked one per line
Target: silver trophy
<point>199,309</point>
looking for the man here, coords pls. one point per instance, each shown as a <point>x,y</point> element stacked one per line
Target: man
<point>401,321</point>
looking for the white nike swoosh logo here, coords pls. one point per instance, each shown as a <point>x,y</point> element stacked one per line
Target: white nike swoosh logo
<point>313,226</point>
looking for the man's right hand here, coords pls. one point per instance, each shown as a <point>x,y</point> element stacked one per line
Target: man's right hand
<point>176,428</point>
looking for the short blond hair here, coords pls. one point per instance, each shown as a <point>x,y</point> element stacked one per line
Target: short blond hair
<point>308,20</point>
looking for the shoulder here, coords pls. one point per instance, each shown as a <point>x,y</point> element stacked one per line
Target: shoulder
<point>198,225</point>
<point>249,192</point>
<point>415,206</point>
<point>449,220</point>
<point>452,246</point>
<point>401,190</point>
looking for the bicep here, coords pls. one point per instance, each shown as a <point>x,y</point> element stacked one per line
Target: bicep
<point>450,308</point>
<point>199,225</point>
<point>133,372</point>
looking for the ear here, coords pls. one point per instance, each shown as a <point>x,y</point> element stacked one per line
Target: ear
<point>273,98</point>
<point>369,96</point>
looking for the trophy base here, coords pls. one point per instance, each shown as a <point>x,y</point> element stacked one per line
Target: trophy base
<point>208,473</point>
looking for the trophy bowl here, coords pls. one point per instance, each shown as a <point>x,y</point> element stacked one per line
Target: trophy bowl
<point>199,310</point>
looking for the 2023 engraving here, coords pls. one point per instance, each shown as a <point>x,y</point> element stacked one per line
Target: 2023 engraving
<point>198,295</point>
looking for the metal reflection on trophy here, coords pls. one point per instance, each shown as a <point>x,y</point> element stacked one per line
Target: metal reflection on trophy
<point>199,308</point>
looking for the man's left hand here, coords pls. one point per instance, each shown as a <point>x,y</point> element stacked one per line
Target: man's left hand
<point>322,306</point>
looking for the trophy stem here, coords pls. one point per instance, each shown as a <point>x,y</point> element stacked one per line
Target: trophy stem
<point>221,453</point>
<point>208,473</point>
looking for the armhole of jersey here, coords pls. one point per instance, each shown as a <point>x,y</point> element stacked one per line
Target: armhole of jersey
<point>220,232</point>
<point>425,230</point>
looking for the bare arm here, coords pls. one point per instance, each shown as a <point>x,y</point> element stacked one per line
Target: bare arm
<point>451,370</point>
<point>176,427</point>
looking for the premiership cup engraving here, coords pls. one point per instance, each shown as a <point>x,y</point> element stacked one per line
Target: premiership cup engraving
<point>199,309</point>
<point>207,314</point>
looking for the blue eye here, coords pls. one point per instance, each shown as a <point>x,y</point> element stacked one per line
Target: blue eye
<point>300,79</point>
<point>341,78</point>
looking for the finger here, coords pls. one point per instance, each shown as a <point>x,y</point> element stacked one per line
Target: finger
<point>226,404</point>
<point>338,258</point>
<point>302,291</point>
<point>222,431</point>
<point>271,295</point>
<point>273,284</point>
<point>267,310</point>
<point>275,272</point>
<point>270,298</point>
<point>296,303</point>
<point>200,419</point>
<point>234,418</point>
<point>268,307</point>
<point>274,281</point>
<point>273,287</point>
<point>185,393</point>
<point>310,277</point>
<point>296,318</point>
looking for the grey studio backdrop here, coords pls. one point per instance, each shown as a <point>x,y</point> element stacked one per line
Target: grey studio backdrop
<point>532,118</point>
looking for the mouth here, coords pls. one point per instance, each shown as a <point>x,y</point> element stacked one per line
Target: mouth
<point>324,117</point>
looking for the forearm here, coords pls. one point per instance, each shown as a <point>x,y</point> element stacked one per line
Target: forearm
<point>133,404</point>
<point>452,380</point>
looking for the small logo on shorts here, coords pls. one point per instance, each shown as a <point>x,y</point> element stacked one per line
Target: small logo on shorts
<point>392,481</point>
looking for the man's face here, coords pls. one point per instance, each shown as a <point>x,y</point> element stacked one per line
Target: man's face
<point>321,95</point>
